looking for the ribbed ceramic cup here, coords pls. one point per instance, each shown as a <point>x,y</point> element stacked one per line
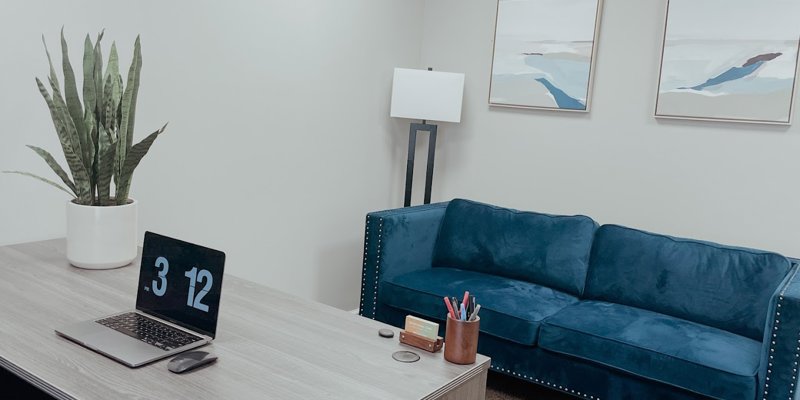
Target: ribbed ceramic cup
<point>461,340</point>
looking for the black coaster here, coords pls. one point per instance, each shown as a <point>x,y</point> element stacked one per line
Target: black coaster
<point>405,356</point>
<point>387,333</point>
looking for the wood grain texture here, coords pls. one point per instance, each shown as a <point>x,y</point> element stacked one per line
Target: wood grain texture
<point>270,345</point>
<point>421,342</point>
<point>474,388</point>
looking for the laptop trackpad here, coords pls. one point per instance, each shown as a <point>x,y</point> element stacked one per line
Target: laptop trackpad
<point>122,346</point>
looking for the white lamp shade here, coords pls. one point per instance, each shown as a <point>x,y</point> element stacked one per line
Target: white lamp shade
<point>427,95</point>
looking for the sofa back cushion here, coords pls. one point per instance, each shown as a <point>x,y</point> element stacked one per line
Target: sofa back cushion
<point>720,286</point>
<point>544,249</point>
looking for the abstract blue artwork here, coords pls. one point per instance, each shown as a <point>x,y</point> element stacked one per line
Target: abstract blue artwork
<point>730,60</point>
<point>544,53</point>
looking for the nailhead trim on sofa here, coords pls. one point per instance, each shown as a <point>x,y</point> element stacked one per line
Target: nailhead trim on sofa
<point>364,268</point>
<point>546,383</point>
<point>377,268</point>
<point>772,344</point>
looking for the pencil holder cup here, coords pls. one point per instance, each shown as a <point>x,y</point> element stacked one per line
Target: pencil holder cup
<point>461,340</point>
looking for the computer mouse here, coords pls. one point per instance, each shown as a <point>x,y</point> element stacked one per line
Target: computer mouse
<point>190,360</point>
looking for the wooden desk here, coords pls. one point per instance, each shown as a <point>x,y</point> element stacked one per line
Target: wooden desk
<point>270,345</point>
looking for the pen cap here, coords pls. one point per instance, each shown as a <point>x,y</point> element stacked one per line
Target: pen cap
<point>461,340</point>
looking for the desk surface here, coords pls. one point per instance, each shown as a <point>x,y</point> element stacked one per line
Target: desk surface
<point>270,345</point>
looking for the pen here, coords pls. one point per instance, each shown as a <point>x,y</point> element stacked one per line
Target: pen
<point>471,305</point>
<point>465,302</point>
<point>454,301</point>
<point>463,312</point>
<point>475,313</point>
<point>450,308</point>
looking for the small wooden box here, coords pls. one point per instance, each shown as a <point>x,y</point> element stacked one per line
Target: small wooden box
<point>421,342</point>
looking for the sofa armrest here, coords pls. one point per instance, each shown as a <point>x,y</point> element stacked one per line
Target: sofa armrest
<point>781,355</point>
<point>396,242</point>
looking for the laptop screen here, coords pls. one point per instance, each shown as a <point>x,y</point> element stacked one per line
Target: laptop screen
<point>180,282</point>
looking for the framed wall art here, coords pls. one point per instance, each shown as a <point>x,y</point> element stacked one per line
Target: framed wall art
<point>544,53</point>
<point>729,60</point>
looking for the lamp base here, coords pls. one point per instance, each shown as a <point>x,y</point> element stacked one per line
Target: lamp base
<point>412,147</point>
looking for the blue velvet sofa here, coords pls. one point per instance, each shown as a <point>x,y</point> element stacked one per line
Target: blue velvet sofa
<point>598,312</point>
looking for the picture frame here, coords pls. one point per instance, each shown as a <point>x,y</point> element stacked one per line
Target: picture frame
<point>733,70</point>
<point>545,60</point>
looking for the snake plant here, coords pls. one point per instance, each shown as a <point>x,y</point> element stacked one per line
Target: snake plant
<point>96,135</point>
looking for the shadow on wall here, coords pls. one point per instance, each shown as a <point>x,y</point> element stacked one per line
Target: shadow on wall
<point>338,275</point>
<point>398,148</point>
<point>737,126</point>
<point>545,113</point>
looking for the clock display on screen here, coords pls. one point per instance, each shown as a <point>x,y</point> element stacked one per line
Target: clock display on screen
<point>181,282</point>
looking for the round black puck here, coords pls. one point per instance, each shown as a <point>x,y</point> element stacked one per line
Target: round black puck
<point>405,356</point>
<point>387,333</point>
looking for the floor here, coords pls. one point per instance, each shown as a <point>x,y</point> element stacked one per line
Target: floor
<point>504,387</point>
<point>15,388</point>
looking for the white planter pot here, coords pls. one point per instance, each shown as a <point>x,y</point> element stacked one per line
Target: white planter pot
<point>101,237</point>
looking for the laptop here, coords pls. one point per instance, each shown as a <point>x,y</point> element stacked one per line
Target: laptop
<point>177,305</point>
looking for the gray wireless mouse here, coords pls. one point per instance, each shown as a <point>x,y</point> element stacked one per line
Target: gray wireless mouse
<point>190,360</point>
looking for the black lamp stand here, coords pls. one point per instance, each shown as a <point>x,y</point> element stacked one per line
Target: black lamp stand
<point>412,147</point>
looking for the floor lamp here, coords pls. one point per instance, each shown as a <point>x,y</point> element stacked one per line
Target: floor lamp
<point>425,95</point>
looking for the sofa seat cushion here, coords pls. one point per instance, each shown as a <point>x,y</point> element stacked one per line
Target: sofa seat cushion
<point>510,309</point>
<point>695,357</point>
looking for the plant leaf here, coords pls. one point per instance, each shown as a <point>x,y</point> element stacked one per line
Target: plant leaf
<point>135,155</point>
<point>112,69</point>
<point>84,177</point>
<point>91,129</point>
<point>63,115</point>
<point>110,108</point>
<point>45,180</point>
<point>53,76</point>
<point>105,168</point>
<point>95,163</point>
<point>79,173</point>
<point>97,76</point>
<point>129,96</point>
<point>89,90</point>
<point>48,158</point>
<point>114,95</point>
<point>73,105</point>
<point>120,85</point>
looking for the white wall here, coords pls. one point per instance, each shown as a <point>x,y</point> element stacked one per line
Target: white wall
<point>279,140</point>
<point>736,184</point>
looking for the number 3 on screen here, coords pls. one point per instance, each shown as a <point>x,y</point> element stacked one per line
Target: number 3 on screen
<point>160,286</point>
<point>196,277</point>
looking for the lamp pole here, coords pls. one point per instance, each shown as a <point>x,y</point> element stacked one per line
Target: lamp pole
<point>412,147</point>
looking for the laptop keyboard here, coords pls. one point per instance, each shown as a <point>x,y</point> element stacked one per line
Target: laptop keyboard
<point>149,330</point>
